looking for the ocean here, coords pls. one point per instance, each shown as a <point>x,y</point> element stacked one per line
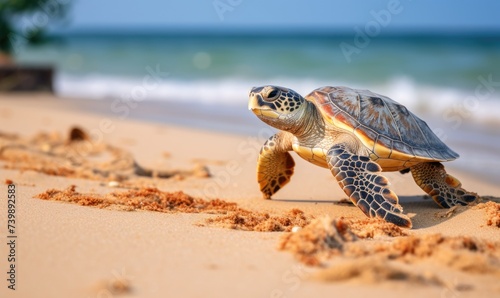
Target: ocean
<point>450,81</point>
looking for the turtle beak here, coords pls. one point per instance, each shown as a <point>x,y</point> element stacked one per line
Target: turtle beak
<point>260,107</point>
<point>253,103</point>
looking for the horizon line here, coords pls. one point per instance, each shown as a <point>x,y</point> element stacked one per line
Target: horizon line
<point>276,31</point>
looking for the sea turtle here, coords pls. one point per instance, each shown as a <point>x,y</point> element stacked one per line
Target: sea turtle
<point>356,134</point>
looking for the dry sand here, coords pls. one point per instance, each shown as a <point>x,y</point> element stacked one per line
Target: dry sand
<point>117,208</point>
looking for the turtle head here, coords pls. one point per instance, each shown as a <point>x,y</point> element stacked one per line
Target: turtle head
<point>277,106</point>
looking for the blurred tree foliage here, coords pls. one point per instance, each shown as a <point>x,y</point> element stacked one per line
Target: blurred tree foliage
<point>24,21</point>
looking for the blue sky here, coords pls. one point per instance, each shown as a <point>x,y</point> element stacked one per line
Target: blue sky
<point>260,14</point>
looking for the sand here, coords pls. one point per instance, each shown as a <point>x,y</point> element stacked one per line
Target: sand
<point>110,207</point>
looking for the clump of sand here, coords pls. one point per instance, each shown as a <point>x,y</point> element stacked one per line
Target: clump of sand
<point>492,210</point>
<point>373,227</point>
<point>152,199</point>
<point>325,240</point>
<point>78,156</point>
<point>262,222</point>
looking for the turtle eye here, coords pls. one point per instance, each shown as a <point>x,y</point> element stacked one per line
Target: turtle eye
<point>273,94</point>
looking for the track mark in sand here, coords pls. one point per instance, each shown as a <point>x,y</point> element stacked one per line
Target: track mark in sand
<point>230,215</point>
<point>77,156</point>
<point>450,211</point>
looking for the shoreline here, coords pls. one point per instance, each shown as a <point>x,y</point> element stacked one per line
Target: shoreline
<point>476,143</point>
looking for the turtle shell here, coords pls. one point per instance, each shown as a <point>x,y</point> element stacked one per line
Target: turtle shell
<point>396,137</point>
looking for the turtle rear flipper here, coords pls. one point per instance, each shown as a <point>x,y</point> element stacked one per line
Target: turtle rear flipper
<point>360,179</point>
<point>444,189</point>
<point>275,164</point>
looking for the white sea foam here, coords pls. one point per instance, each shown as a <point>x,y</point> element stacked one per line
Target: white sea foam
<point>450,104</point>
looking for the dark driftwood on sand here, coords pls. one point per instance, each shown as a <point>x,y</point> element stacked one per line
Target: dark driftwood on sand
<point>26,78</point>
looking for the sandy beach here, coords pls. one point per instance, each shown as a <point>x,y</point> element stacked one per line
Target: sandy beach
<point>124,230</point>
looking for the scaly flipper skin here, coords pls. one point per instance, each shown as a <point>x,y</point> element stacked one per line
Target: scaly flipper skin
<point>445,189</point>
<point>275,164</point>
<point>360,179</point>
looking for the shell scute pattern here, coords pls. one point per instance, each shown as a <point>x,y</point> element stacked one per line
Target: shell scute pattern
<point>421,151</point>
<point>409,129</point>
<point>349,104</point>
<point>367,135</point>
<point>384,146</point>
<point>402,147</point>
<point>381,123</point>
<point>374,114</point>
<point>322,97</point>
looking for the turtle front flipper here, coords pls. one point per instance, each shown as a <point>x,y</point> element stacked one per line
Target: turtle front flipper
<point>275,164</point>
<point>444,189</point>
<point>360,179</point>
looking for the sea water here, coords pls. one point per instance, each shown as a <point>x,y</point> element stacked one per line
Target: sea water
<point>450,81</point>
